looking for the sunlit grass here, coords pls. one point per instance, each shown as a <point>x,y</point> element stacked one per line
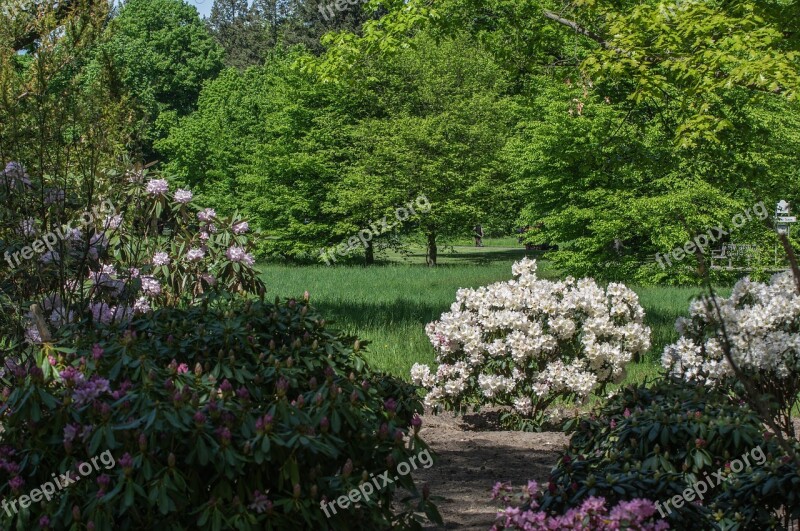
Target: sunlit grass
<point>390,304</point>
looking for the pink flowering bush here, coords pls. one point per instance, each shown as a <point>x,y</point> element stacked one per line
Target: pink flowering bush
<point>526,342</point>
<point>145,248</point>
<point>593,513</point>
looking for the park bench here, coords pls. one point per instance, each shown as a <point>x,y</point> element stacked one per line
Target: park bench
<point>735,252</point>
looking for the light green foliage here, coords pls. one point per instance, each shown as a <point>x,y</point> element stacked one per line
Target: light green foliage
<point>313,164</point>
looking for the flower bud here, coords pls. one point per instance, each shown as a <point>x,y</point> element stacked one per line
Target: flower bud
<point>171,460</point>
<point>347,469</point>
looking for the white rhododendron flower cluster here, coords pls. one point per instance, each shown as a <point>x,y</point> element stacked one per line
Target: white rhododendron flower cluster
<point>527,341</point>
<point>762,324</point>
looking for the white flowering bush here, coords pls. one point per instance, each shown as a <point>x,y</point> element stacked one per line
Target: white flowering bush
<point>525,342</point>
<point>759,324</point>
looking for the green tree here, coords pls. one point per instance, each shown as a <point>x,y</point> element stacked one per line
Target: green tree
<point>160,54</point>
<point>242,31</point>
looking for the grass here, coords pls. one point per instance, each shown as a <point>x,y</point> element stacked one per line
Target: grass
<point>389,304</point>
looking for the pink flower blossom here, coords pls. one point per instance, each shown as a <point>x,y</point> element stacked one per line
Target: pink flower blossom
<point>183,196</point>
<point>157,187</point>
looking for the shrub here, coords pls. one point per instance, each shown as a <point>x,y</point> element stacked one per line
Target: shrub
<point>231,414</point>
<point>526,342</point>
<point>159,251</point>
<point>657,441</point>
<point>760,326</point>
<point>593,513</point>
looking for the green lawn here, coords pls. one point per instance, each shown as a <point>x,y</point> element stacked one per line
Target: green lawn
<point>390,304</point>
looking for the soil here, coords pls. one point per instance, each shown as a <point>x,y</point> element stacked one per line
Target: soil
<point>473,453</point>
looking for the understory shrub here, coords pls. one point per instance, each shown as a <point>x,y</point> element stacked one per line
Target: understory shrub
<point>229,414</point>
<point>593,514</point>
<point>759,324</point>
<point>656,441</point>
<point>527,342</point>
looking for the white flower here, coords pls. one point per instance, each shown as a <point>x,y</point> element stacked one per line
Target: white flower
<point>183,196</point>
<point>157,187</point>
<point>161,259</point>
<point>522,342</point>
<point>761,328</point>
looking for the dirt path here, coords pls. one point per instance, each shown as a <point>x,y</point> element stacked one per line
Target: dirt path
<point>472,455</point>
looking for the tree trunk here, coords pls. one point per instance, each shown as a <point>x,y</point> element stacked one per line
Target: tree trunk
<point>430,258</point>
<point>369,254</point>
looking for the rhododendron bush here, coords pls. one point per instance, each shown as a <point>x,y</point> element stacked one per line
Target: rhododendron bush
<point>150,247</point>
<point>528,341</point>
<point>759,324</point>
<point>593,513</point>
<point>230,414</point>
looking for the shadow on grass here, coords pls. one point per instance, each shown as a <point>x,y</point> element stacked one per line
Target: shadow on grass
<point>397,312</point>
<point>484,256</point>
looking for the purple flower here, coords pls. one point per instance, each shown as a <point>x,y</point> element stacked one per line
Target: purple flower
<point>195,255</point>
<point>112,222</point>
<point>183,196</point>
<point>237,254</point>
<point>241,227</point>
<point>16,483</point>
<point>161,259</point>
<point>50,257</point>
<point>390,404</point>
<point>126,461</point>
<point>16,174</point>
<point>207,215</point>
<point>71,376</point>
<point>88,391</point>
<point>183,368</point>
<point>224,434</point>
<point>260,503</point>
<point>151,286</point>
<point>44,522</point>
<point>70,432</point>
<point>157,187</point>
<point>97,351</point>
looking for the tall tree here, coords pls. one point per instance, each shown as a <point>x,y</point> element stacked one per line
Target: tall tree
<point>243,31</point>
<point>160,53</point>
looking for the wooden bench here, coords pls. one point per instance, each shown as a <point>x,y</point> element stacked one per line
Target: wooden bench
<point>735,251</point>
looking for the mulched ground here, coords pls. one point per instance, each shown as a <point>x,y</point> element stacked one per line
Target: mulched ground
<point>473,454</point>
